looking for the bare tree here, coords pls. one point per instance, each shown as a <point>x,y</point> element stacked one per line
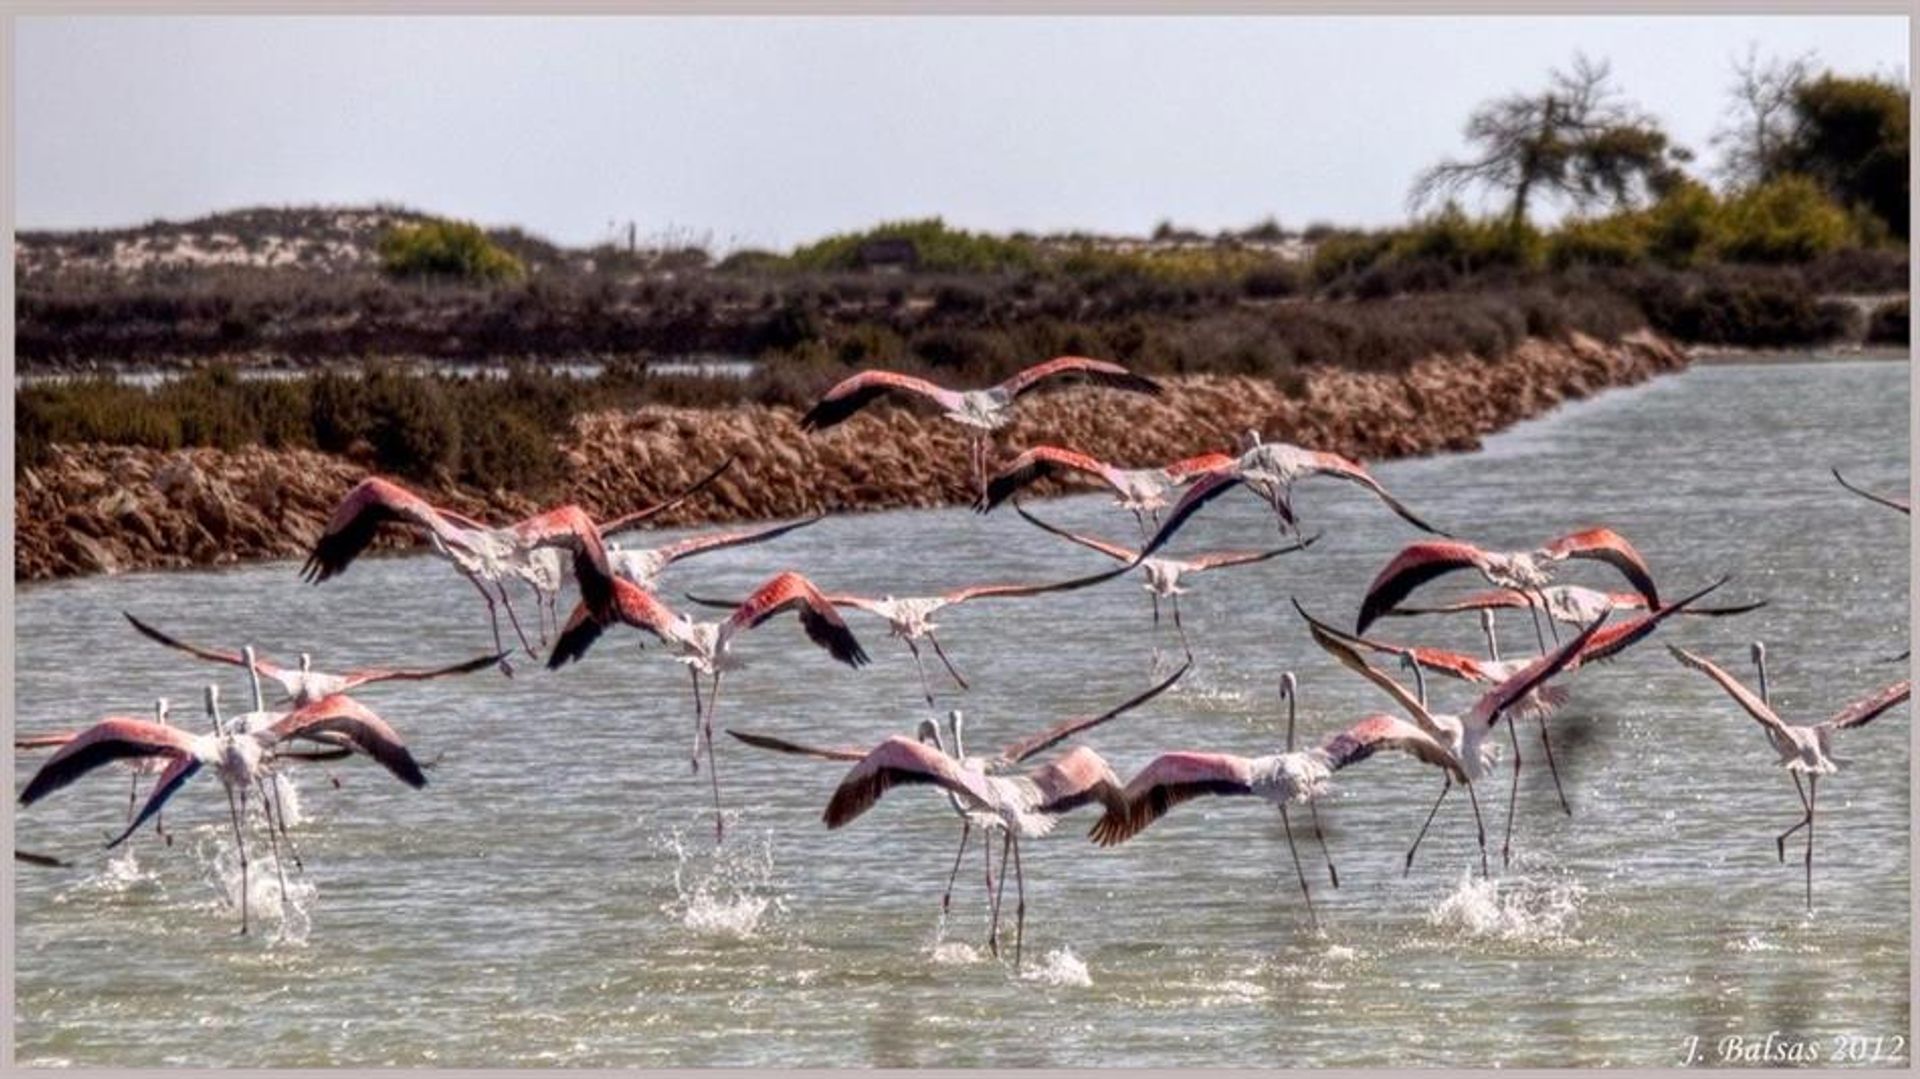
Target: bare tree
<point>1761,117</point>
<point>1577,140</point>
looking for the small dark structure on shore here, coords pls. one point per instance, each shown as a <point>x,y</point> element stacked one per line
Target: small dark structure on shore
<point>889,255</point>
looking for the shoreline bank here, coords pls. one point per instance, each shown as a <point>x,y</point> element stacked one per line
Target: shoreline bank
<point>108,509</point>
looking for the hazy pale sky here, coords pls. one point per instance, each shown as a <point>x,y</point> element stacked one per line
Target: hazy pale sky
<point>773,131</point>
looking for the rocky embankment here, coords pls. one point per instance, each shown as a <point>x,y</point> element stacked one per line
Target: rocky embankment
<point>107,509</point>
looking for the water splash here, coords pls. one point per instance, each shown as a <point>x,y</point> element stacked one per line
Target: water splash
<point>119,874</point>
<point>288,911</point>
<point>1531,909</point>
<point>1060,967</point>
<point>723,892</point>
<point>952,953</point>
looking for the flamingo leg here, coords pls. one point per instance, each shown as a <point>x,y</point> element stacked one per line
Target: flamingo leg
<point>493,619</point>
<point>1547,745</point>
<point>713,772</point>
<point>1513,796</point>
<point>1188,648</point>
<point>1813,798</point>
<point>273,847</point>
<point>1305,892</point>
<point>699,717</point>
<point>1332,873</point>
<point>133,795</point>
<point>1552,627</point>
<point>280,815</point>
<point>945,662</point>
<point>1019,902</point>
<point>966,833</point>
<point>1780,843</point>
<point>1480,825</point>
<point>515,619</point>
<point>1000,894</point>
<point>993,905</point>
<point>240,843</point>
<point>1429,823</point>
<point>926,687</point>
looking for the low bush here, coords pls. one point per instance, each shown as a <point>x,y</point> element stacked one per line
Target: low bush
<point>450,250</point>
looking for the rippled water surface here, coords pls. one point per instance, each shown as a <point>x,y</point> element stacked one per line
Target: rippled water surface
<point>555,896</point>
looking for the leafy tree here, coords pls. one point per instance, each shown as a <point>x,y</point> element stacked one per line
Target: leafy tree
<point>1576,140</point>
<point>1851,137</point>
<point>1761,118</point>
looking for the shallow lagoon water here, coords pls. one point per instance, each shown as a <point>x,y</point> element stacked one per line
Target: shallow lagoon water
<point>554,896</point>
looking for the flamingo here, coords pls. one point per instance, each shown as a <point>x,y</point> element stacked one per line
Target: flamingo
<point>1464,737</point>
<point>1900,504</point>
<point>304,685</point>
<point>972,814</point>
<point>1164,574</point>
<point>707,647</point>
<point>1803,749</point>
<point>1020,805</point>
<point>1566,603</point>
<point>243,760</point>
<point>981,411</point>
<point>910,618</point>
<point>1270,469</point>
<point>1142,491</point>
<point>135,767</point>
<point>483,554</point>
<point>1525,571</point>
<point>1544,700</point>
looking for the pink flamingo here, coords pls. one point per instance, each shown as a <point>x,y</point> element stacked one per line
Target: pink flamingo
<point>1164,574</point>
<point>972,814</point>
<point>303,685</point>
<point>1524,571</point>
<point>483,554</point>
<point>1805,749</point>
<point>707,647</point>
<point>243,760</point>
<point>1142,491</point>
<point>1566,603</point>
<point>981,411</point>
<point>135,767</point>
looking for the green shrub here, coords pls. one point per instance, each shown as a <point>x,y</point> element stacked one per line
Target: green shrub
<point>453,250</point>
<point>1786,220</point>
<point>1467,245</point>
<point>414,431</point>
<point>937,249</point>
<point>1686,226</point>
<point>1615,240</point>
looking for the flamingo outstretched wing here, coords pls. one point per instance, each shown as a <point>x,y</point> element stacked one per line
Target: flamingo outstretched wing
<point>44,861</point>
<point>791,591</point>
<point>1613,640</point>
<point>570,528</point>
<point>178,771</point>
<point>718,541</point>
<point>1458,665</point>
<point>853,394</point>
<point>1338,467</point>
<point>1077,777</point>
<point>266,667</point>
<point>1900,504</point>
<point>1606,545</point>
<point>781,745</point>
<point>1741,695</point>
<point>112,739</point>
<point>1867,709</point>
<point>632,605</point>
<point>1037,464</point>
<point>1223,559</point>
<point>372,503</point>
<point>1060,732</point>
<point>896,761</point>
<point>368,675</point>
<point>339,716</point>
<point>1415,565</point>
<point>1167,781</point>
<point>1211,485</point>
<point>1187,468</point>
<point>628,521</point>
<point>1111,550</point>
<point>1098,372</point>
<point>1379,731</point>
<point>1496,701</point>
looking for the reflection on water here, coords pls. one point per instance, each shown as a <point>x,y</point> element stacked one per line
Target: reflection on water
<point>553,896</point>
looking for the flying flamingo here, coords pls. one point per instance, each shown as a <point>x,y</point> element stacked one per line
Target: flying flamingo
<point>1803,749</point>
<point>1270,469</point>
<point>1142,491</point>
<point>972,814</point>
<point>483,554</point>
<point>1464,737</point>
<point>1545,700</point>
<point>304,685</point>
<point>135,767</point>
<point>981,411</point>
<point>1900,504</point>
<point>1164,574</point>
<point>1024,804</point>
<point>1567,603</point>
<point>242,760</point>
<point>910,618</point>
<point>707,647</point>
<point>1525,571</point>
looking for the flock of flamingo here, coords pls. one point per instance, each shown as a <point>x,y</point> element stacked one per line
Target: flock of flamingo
<point>316,720</point>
